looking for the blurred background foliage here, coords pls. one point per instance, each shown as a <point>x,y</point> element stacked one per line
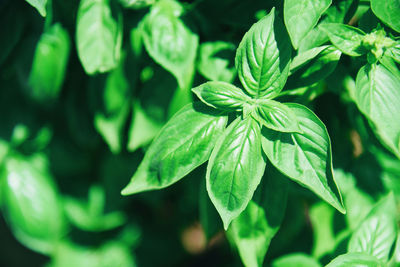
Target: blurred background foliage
<point>79,106</point>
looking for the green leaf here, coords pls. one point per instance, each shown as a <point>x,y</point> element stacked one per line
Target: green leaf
<point>357,203</point>
<point>98,36</point>
<point>296,260</point>
<point>321,217</point>
<point>339,12</point>
<point>346,38</point>
<point>214,63</point>
<point>276,116</point>
<point>303,58</point>
<point>183,144</point>
<point>143,128</point>
<point>110,119</point>
<point>388,11</point>
<point>222,95</point>
<point>355,259</point>
<point>253,230</point>
<point>89,216</point>
<point>394,52</point>
<point>377,94</point>
<point>235,168</point>
<point>49,64</point>
<point>40,5</point>
<point>263,57</point>
<point>306,158</point>
<point>316,69</point>
<point>301,16</point>
<point>170,42</point>
<point>30,203</point>
<point>136,4</point>
<point>376,234</point>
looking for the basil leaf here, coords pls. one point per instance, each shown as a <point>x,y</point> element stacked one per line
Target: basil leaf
<point>253,230</point>
<point>377,232</point>
<point>170,42</point>
<point>214,63</point>
<point>355,259</point>
<point>394,52</point>
<point>221,95</point>
<point>388,11</point>
<point>40,5</point>
<point>30,203</point>
<point>136,4</point>
<point>296,259</point>
<point>143,128</point>
<point>98,36</point>
<point>276,116</point>
<point>263,57</point>
<point>49,64</point>
<point>303,58</point>
<point>235,168</point>
<point>301,16</point>
<point>376,94</point>
<point>346,38</point>
<point>110,119</point>
<point>321,218</point>
<point>182,145</point>
<point>339,12</point>
<point>306,158</point>
<point>316,69</point>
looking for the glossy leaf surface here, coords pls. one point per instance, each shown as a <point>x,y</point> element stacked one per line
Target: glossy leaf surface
<point>301,16</point>
<point>376,94</point>
<point>221,95</point>
<point>192,131</point>
<point>277,116</point>
<point>235,168</point>
<point>346,38</point>
<point>388,11</point>
<point>263,57</point>
<point>305,157</point>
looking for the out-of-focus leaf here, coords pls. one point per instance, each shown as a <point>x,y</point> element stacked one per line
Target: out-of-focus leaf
<point>136,4</point>
<point>169,41</point>
<point>110,120</point>
<point>296,260</point>
<point>49,64</point>
<point>214,61</point>
<point>98,36</point>
<point>255,227</point>
<point>143,128</point>
<point>321,216</point>
<point>30,203</point>
<point>109,254</point>
<point>89,216</point>
<point>40,5</point>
